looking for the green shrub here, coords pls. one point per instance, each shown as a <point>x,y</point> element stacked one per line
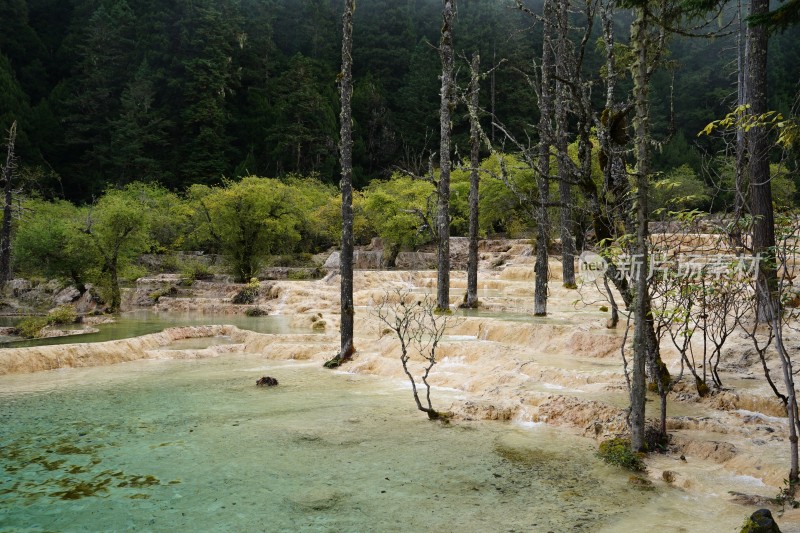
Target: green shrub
<point>248,293</point>
<point>302,274</point>
<point>169,291</point>
<point>31,327</point>
<point>256,311</point>
<point>618,452</point>
<point>169,263</point>
<point>65,314</point>
<point>195,270</point>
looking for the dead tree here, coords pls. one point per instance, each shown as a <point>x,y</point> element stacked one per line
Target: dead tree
<point>546,112</point>
<point>782,318</point>
<point>419,328</point>
<point>560,142</point>
<point>347,309</point>
<point>471,298</point>
<point>447,101</point>
<point>8,179</point>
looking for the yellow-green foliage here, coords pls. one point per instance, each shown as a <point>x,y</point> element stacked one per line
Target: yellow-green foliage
<point>31,327</point>
<point>618,452</point>
<point>500,209</point>
<point>248,220</point>
<point>313,199</point>
<point>64,314</point>
<point>328,220</point>
<point>401,210</point>
<point>248,293</point>
<point>49,243</point>
<point>194,270</point>
<point>679,189</point>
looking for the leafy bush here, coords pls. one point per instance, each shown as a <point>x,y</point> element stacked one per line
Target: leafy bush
<point>302,274</point>
<point>31,327</point>
<point>169,263</point>
<point>65,314</point>
<point>248,293</point>
<point>618,452</point>
<point>256,311</point>
<point>195,270</point>
<point>247,221</point>
<point>169,291</point>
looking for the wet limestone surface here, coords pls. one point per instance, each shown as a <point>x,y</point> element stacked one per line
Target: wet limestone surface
<point>502,364</point>
<point>194,445</point>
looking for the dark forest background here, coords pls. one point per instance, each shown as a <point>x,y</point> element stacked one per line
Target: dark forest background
<point>191,91</point>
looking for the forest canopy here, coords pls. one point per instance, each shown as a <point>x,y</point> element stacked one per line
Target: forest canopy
<point>107,92</point>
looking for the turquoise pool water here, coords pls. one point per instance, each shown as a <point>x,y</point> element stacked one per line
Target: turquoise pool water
<point>143,322</point>
<point>196,446</point>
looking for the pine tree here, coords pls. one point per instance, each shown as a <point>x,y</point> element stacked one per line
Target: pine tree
<point>207,34</point>
<point>105,53</point>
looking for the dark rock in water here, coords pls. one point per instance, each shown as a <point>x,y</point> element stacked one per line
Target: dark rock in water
<point>760,522</point>
<point>267,381</point>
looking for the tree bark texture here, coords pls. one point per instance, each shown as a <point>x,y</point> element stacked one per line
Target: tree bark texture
<point>346,155</point>
<point>758,145</point>
<point>5,237</point>
<point>564,163</point>
<point>474,184</point>
<point>741,96</point>
<point>443,217</point>
<point>640,42</point>
<point>545,141</point>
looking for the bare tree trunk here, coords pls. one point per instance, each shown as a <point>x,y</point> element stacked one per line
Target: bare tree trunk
<point>443,219</point>
<point>492,90</point>
<point>791,396</point>
<point>564,163</point>
<point>474,184</point>
<point>639,42</point>
<point>741,145</point>
<point>116,294</point>
<point>758,144</point>
<point>346,154</point>
<point>543,183</point>
<point>5,237</point>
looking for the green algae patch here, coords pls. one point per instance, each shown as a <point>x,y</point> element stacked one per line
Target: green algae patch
<point>75,489</point>
<point>64,470</point>
<point>618,452</point>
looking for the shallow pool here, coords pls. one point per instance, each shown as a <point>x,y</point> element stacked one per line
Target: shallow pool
<point>142,322</point>
<point>196,446</point>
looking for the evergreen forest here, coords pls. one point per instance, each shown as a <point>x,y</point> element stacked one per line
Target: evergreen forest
<point>108,92</point>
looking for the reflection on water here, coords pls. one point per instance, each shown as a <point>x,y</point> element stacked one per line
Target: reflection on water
<point>196,446</point>
<point>143,322</point>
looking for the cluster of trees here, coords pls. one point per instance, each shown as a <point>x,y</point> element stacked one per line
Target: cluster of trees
<point>618,205</point>
<point>246,221</point>
<point>112,91</point>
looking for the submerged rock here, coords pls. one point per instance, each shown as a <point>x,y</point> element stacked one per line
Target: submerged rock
<point>267,381</point>
<point>761,522</point>
<point>317,499</point>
